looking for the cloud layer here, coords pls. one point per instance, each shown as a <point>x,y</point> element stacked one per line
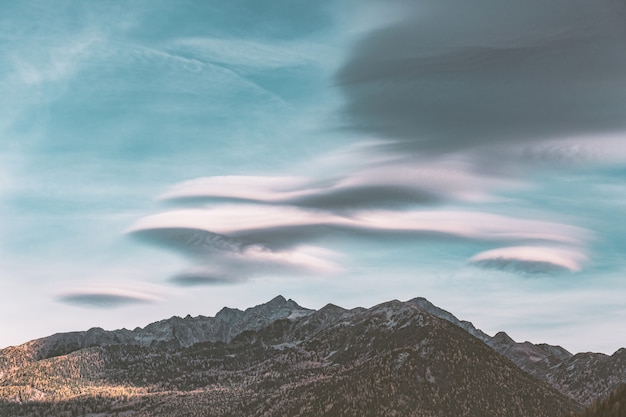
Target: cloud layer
<point>234,242</point>
<point>448,77</point>
<point>464,104</point>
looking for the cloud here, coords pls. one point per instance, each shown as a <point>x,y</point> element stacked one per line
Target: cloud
<point>244,53</point>
<point>449,77</point>
<point>220,257</point>
<point>531,259</point>
<point>394,183</point>
<point>277,227</point>
<point>231,243</point>
<point>215,268</point>
<point>201,278</point>
<point>458,104</point>
<point>104,298</point>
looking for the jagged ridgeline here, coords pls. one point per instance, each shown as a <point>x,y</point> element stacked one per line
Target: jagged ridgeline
<point>280,359</point>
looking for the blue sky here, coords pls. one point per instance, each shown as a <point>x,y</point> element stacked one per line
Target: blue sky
<point>170,158</point>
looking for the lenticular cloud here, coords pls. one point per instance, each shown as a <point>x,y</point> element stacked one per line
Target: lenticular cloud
<point>104,298</point>
<point>531,259</point>
<point>229,243</point>
<point>459,102</point>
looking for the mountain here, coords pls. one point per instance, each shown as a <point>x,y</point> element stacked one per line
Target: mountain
<point>173,332</point>
<point>392,359</point>
<point>584,377</point>
<point>588,376</point>
<point>613,405</point>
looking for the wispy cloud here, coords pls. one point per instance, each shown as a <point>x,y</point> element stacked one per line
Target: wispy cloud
<point>247,53</point>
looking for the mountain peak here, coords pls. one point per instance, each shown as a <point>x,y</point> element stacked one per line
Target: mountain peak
<point>279,299</point>
<point>278,303</point>
<point>331,307</point>
<point>503,338</point>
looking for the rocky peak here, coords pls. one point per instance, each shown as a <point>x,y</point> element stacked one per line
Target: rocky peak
<point>279,300</point>
<point>276,309</point>
<point>425,305</point>
<point>556,351</point>
<point>501,338</point>
<point>229,315</point>
<point>277,303</point>
<point>620,353</point>
<point>332,308</point>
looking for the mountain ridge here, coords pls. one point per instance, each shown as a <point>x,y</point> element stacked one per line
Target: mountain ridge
<point>584,377</point>
<point>391,359</point>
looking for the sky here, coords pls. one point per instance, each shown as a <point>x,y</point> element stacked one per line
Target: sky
<point>163,158</point>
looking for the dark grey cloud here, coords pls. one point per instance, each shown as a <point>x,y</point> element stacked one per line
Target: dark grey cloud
<point>341,199</point>
<point>202,244</point>
<point>195,279</point>
<point>365,197</point>
<point>450,75</point>
<point>101,300</point>
<point>187,240</point>
<point>521,266</point>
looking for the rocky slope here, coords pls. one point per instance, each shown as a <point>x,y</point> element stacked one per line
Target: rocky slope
<point>584,377</point>
<point>391,359</point>
<point>283,327</point>
<point>173,332</point>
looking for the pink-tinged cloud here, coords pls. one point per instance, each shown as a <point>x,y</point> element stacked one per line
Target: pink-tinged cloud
<point>231,243</point>
<point>257,262</point>
<point>239,187</point>
<point>381,184</point>
<point>531,259</point>
<point>220,258</point>
<point>277,226</point>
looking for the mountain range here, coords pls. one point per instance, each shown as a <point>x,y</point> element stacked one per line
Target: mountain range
<point>397,358</point>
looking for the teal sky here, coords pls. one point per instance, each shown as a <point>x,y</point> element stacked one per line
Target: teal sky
<point>163,158</point>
